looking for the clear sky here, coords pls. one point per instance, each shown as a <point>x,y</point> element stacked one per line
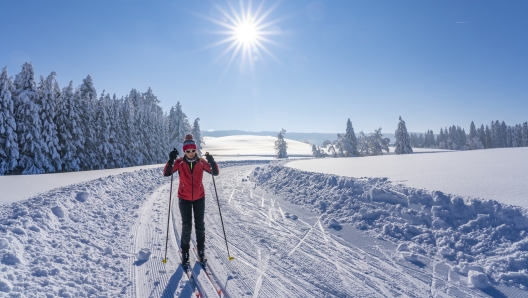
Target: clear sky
<point>435,63</point>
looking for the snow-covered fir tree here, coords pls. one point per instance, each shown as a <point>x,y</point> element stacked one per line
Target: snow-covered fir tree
<point>402,144</point>
<point>69,129</point>
<point>374,144</point>
<point>363,144</point>
<point>88,98</point>
<point>119,132</point>
<point>472,130</point>
<point>316,151</point>
<point>130,135</point>
<point>8,137</point>
<point>349,142</point>
<point>102,134</point>
<point>179,126</point>
<point>379,143</point>
<point>197,134</point>
<point>281,146</point>
<point>517,135</point>
<point>49,94</point>
<point>525,134</point>
<point>53,129</point>
<point>27,118</point>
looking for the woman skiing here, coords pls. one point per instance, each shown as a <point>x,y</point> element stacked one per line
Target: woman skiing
<point>191,194</point>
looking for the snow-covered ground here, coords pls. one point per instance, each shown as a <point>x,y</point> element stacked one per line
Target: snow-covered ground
<point>252,145</point>
<point>293,233</point>
<point>499,174</point>
<point>16,188</point>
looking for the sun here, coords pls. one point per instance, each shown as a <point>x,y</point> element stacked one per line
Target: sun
<point>247,33</point>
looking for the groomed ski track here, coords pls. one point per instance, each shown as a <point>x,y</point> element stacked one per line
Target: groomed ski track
<point>280,250</point>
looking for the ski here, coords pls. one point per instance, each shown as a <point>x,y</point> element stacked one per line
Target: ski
<point>209,274</point>
<point>190,277</point>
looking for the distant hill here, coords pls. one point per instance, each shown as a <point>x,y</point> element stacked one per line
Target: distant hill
<point>306,137</point>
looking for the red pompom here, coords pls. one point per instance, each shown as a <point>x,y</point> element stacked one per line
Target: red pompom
<point>189,137</point>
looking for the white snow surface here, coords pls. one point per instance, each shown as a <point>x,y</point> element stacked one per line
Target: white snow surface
<point>252,145</point>
<point>498,174</point>
<point>19,187</point>
<point>293,233</point>
<point>290,232</point>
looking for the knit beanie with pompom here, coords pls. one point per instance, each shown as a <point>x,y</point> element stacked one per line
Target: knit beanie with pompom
<point>189,142</point>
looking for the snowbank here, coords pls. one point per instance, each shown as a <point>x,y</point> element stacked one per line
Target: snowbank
<point>20,187</point>
<point>74,241</point>
<point>467,232</point>
<point>498,174</point>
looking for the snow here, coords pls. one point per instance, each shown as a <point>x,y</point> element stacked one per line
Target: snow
<point>498,174</point>
<point>16,188</point>
<point>253,145</point>
<point>293,233</point>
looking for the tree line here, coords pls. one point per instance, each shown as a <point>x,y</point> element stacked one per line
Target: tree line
<point>46,129</point>
<point>350,145</point>
<point>495,135</point>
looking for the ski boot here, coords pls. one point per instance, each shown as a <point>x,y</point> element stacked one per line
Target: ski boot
<point>185,258</point>
<point>201,257</point>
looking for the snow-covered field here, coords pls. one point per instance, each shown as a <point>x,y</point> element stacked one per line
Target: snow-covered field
<point>499,174</point>
<point>252,145</point>
<point>293,233</point>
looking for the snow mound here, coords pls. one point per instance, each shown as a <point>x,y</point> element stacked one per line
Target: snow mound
<point>478,280</point>
<point>461,230</point>
<point>5,286</point>
<point>143,255</point>
<point>62,244</point>
<point>82,196</point>
<point>334,224</point>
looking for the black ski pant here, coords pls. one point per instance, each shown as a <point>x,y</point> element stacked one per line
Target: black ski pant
<point>186,211</point>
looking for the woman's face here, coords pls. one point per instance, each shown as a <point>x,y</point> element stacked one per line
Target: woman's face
<point>190,153</point>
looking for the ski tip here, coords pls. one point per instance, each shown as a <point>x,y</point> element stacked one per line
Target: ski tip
<point>231,258</point>
<point>164,261</point>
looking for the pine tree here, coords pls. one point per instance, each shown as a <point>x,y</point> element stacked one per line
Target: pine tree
<point>421,141</point>
<point>88,99</point>
<point>316,151</point>
<point>525,134</point>
<point>102,133</point>
<point>441,139</point>
<point>120,136</point>
<point>350,141</point>
<point>49,94</point>
<point>28,122</point>
<point>69,129</point>
<point>197,134</point>
<point>132,157</point>
<point>402,145</point>
<point>503,134</point>
<point>178,125</point>
<point>280,145</point>
<point>517,135</point>
<point>472,130</point>
<point>378,143</point>
<point>8,137</point>
<point>482,135</point>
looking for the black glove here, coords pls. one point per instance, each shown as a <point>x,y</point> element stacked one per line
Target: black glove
<point>209,157</point>
<point>174,154</point>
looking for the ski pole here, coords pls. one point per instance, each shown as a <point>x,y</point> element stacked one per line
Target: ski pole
<point>168,219</point>
<point>222,221</point>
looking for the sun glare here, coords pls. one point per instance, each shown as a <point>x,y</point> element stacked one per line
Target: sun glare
<point>247,33</point>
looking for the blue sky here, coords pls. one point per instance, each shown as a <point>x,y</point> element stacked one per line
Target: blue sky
<point>435,63</point>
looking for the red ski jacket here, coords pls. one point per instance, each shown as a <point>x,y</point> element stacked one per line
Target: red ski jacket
<point>191,187</point>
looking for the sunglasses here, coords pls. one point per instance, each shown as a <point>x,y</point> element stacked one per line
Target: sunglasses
<point>190,151</point>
